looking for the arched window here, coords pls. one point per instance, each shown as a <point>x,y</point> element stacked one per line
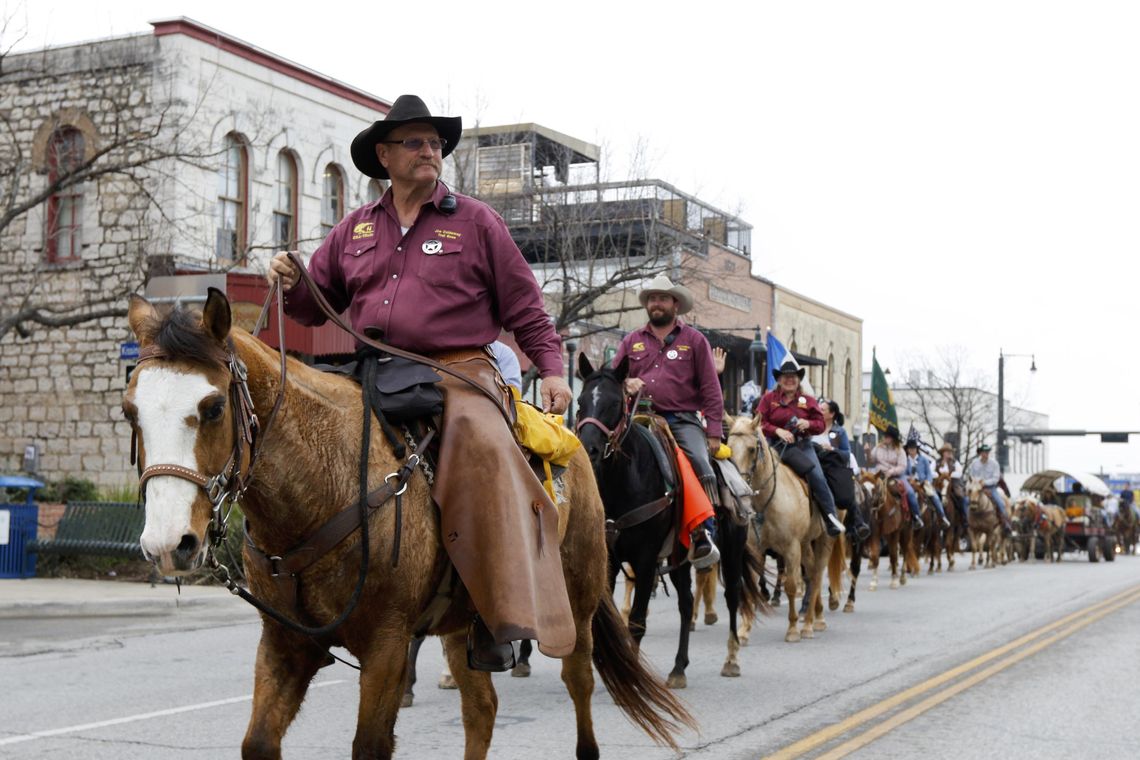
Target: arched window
<point>285,203</point>
<point>814,375</point>
<point>332,201</point>
<point>831,376</point>
<point>847,386</point>
<point>375,190</point>
<point>233,183</point>
<point>65,207</point>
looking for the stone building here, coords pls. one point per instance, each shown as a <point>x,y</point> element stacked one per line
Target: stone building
<point>199,153</point>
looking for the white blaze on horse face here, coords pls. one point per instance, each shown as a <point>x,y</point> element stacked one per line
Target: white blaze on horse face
<point>165,399</point>
<point>596,395</point>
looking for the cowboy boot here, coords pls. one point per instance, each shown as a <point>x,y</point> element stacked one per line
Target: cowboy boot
<point>483,653</point>
<point>702,551</point>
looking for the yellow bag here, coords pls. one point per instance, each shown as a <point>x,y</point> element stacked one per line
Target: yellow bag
<point>545,435</point>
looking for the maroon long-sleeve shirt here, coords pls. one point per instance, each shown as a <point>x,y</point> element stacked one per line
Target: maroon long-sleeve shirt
<point>451,281</point>
<point>679,375</point>
<point>777,412</point>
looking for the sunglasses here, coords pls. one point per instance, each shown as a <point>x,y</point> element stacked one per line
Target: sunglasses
<point>415,143</point>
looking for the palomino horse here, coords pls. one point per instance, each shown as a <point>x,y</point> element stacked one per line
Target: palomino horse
<point>945,487</point>
<point>642,521</point>
<point>985,525</point>
<point>1034,521</point>
<point>191,402</point>
<point>791,527</point>
<point>886,517</point>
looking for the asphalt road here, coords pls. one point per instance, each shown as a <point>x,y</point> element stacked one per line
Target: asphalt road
<point>984,680</point>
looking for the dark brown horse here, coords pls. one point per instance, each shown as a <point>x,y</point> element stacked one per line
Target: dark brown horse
<point>191,410</point>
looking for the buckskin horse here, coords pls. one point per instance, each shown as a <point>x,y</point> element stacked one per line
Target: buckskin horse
<point>888,513</point>
<point>212,415</point>
<point>791,527</point>
<point>641,520</point>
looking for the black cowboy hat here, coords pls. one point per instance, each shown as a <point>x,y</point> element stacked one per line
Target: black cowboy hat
<point>892,432</point>
<point>408,109</point>
<point>789,367</point>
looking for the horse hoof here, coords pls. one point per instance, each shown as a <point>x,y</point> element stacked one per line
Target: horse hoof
<point>776,602</point>
<point>833,604</point>
<point>407,700</point>
<point>873,587</point>
<point>710,618</point>
<point>849,607</point>
<point>820,625</point>
<point>692,625</point>
<point>730,670</point>
<point>792,637</point>
<point>807,633</point>
<point>447,681</point>
<point>902,580</point>
<point>894,584</point>
<point>743,640</point>
<point>676,681</point>
<point>522,670</point>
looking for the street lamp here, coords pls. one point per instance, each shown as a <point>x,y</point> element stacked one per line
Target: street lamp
<point>1002,451</point>
<point>571,347</point>
<point>755,348</point>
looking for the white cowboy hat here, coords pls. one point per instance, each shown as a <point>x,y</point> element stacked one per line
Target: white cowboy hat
<point>662,284</point>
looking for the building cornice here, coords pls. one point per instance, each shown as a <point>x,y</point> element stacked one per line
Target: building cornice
<point>234,46</point>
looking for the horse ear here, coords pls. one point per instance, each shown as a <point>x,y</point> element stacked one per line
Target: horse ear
<point>216,316</point>
<point>585,368</point>
<point>143,319</point>
<point>622,369</point>
<point>756,422</point>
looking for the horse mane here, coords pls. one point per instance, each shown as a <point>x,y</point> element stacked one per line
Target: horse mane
<point>180,336</point>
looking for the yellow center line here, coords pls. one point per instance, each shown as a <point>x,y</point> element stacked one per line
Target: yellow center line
<point>914,711</point>
<point>823,736</point>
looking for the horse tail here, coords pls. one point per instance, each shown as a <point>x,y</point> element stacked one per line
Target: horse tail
<point>836,562</point>
<point>751,599</point>
<point>641,696</point>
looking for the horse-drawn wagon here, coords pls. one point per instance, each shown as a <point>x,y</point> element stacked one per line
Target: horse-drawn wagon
<point>1081,496</point>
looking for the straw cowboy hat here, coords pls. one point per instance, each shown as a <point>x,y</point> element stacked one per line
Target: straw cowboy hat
<point>662,284</point>
<point>945,447</point>
<point>408,109</point>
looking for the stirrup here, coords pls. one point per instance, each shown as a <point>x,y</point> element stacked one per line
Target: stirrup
<point>484,653</point>
<point>833,526</point>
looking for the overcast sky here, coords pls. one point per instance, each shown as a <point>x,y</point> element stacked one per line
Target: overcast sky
<point>960,174</point>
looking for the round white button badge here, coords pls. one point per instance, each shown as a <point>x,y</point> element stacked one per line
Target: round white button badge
<point>672,353</point>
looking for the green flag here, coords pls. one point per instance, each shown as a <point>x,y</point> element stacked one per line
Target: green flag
<point>882,404</point>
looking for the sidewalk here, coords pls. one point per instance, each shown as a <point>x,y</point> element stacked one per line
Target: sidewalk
<point>67,597</point>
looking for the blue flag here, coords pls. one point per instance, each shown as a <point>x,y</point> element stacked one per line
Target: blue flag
<point>776,354</point>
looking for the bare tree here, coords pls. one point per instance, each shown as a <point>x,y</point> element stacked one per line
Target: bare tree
<point>128,148</point>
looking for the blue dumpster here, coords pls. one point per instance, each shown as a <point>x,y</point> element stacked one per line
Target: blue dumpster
<point>18,528</point>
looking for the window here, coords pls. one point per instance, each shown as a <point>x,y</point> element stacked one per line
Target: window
<point>847,384</point>
<point>285,203</point>
<point>232,191</point>
<point>332,202</point>
<point>65,208</point>
<point>375,190</point>
<point>831,377</point>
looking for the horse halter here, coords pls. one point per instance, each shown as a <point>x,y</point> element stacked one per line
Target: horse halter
<point>228,485</point>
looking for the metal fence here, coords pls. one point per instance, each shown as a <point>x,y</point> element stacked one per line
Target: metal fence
<point>17,529</point>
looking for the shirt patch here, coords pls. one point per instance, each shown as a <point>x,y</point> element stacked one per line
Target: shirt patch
<point>683,348</point>
<point>637,347</point>
<point>449,234</point>
<point>363,230</point>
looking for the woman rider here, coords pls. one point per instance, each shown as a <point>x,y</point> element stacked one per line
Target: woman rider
<point>834,453</point>
<point>789,418</point>
<point>889,460</point>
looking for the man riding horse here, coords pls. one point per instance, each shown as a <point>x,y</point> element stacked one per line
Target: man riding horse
<point>435,272</point>
<point>672,364</point>
<point>989,472</point>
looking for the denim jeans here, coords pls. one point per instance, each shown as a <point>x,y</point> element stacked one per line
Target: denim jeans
<point>911,497</point>
<point>998,497</point>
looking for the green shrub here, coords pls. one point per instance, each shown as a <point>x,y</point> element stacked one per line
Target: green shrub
<point>69,489</point>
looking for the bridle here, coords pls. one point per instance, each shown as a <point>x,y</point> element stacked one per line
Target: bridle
<point>761,454</point>
<point>615,436</point>
<point>228,485</point>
